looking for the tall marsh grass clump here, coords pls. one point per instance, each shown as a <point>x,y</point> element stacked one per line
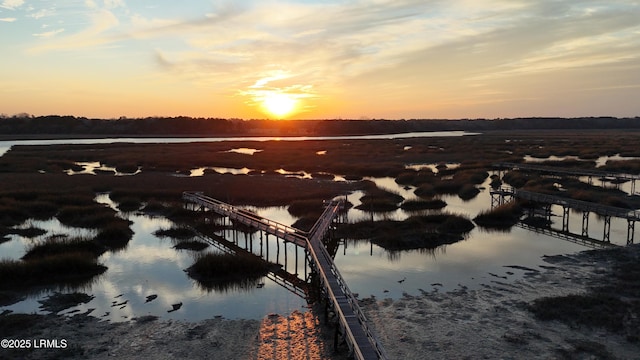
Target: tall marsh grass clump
<point>379,200</point>
<point>416,232</point>
<point>220,271</point>
<point>116,234</point>
<point>11,214</point>
<point>300,208</point>
<point>468,192</point>
<point>193,245</point>
<point>87,216</point>
<point>54,246</point>
<point>54,269</point>
<point>176,232</point>
<point>212,265</point>
<point>500,217</point>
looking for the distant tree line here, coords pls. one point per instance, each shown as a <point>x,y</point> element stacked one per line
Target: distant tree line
<point>24,125</point>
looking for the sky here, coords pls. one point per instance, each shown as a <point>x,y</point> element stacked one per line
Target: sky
<point>306,59</point>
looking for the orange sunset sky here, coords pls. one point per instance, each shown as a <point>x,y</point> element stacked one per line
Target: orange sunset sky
<point>320,59</point>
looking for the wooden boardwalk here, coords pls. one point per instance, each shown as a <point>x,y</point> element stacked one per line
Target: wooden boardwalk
<point>585,206</point>
<point>573,172</point>
<point>607,212</point>
<point>361,339</point>
<point>280,276</point>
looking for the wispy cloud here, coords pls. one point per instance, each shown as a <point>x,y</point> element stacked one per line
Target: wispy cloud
<point>11,4</point>
<point>49,34</point>
<point>41,13</point>
<point>8,19</point>
<point>100,22</point>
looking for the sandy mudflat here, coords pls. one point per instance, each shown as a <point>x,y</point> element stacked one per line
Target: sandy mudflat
<point>489,323</point>
<point>296,336</point>
<point>493,322</point>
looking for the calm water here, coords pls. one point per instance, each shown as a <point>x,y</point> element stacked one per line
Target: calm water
<point>150,266</point>
<point>6,145</point>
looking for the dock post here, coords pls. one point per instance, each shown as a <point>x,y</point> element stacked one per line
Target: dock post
<point>585,223</point>
<point>565,218</point>
<point>267,240</point>
<point>286,262</point>
<point>607,229</point>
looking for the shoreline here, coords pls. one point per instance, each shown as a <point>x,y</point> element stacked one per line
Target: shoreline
<point>495,321</point>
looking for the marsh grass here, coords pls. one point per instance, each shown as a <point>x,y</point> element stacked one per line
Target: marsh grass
<point>614,305</point>
<point>597,309</point>
<point>11,214</point>
<point>154,207</point>
<point>417,205</point>
<point>194,245</point>
<point>67,268</point>
<point>379,200</point>
<point>503,216</point>
<point>626,166</point>
<point>225,271</point>
<point>416,178</point>
<point>517,178</point>
<point>41,210</point>
<point>30,232</point>
<point>305,223</point>
<point>496,182</point>
<point>416,232</point>
<point>300,208</point>
<point>425,191</point>
<point>129,205</point>
<point>53,246</point>
<point>93,216</point>
<point>115,235</point>
<point>176,232</point>
<point>468,192</point>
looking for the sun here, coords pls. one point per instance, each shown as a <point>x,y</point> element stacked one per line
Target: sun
<point>279,104</point>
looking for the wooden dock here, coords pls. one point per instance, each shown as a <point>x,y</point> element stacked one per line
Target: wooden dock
<point>498,197</point>
<point>585,206</point>
<point>553,170</point>
<point>359,337</point>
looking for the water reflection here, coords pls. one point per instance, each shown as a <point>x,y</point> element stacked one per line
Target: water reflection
<point>245,151</point>
<point>6,145</point>
<point>220,170</point>
<point>93,166</point>
<point>434,167</point>
<point>600,161</point>
<point>150,266</point>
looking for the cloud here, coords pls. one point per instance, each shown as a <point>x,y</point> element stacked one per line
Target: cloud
<point>101,21</point>
<point>41,13</point>
<point>8,19</point>
<point>49,34</point>
<point>11,4</point>
<point>112,4</point>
